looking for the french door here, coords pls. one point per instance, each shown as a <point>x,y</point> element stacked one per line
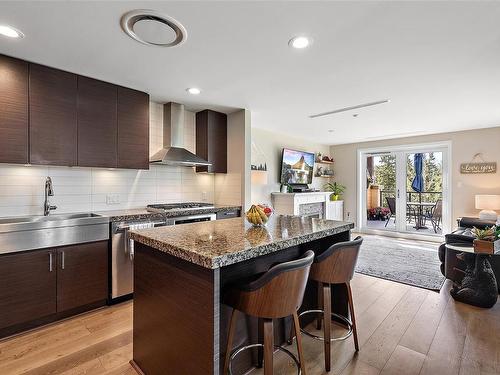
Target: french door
<point>405,190</point>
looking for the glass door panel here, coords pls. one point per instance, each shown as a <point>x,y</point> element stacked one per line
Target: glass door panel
<point>424,192</point>
<point>381,192</point>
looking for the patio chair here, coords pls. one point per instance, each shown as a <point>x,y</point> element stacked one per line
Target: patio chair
<point>436,215</point>
<point>391,202</point>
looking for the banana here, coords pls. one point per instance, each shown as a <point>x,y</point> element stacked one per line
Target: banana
<point>256,215</point>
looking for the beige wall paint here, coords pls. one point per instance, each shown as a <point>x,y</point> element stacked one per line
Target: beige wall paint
<point>267,147</point>
<point>463,187</point>
<point>233,187</point>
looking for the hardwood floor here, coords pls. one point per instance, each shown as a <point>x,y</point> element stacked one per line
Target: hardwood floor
<point>402,330</point>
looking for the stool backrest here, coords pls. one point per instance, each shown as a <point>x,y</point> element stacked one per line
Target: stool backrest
<point>278,292</point>
<point>336,265</point>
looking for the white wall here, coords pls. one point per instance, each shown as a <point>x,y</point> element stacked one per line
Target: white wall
<point>463,187</point>
<point>86,189</point>
<point>269,146</point>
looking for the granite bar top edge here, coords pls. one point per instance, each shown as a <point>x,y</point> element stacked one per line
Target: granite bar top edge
<point>140,213</point>
<point>214,262</point>
<point>228,259</point>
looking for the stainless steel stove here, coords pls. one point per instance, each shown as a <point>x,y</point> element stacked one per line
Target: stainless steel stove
<point>180,213</point>
<point>178,206</point>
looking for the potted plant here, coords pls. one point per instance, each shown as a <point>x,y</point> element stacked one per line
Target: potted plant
<point>487,240</point>
<point>336,189</point>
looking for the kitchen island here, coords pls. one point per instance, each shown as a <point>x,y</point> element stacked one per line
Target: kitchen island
<point>181,273</point>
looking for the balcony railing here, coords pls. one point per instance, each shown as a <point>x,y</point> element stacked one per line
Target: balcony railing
<point>411,196</point>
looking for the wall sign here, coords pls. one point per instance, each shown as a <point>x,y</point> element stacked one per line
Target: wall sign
<point>476,167</point>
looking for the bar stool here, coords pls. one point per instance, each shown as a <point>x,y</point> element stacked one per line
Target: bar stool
<point>278,293</point>
<point>334,266</point>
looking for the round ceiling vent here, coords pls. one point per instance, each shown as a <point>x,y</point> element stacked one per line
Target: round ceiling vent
<point>153,28</point>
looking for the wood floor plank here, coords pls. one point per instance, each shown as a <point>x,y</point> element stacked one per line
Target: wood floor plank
<point>86,354</point>
<point>422,329</point>
<point>93,367</point>
<point>125,369</point>
<point>381,344</point>
<point>403,361</point>
<point>54,353</point>
<point>369,321</point>
<point>481,344</point>
<point>358,367</point>
<point>395,322</point>
<point>446,349</point>
<point>117,358</point>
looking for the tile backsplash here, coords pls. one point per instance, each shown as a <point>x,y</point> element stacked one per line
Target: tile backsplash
<point>98,189</point>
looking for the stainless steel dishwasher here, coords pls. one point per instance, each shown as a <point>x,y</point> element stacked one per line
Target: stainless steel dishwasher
<point>122,255</point>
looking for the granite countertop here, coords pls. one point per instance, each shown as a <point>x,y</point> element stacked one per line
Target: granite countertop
<point>214,244</point>
<point>142,213</point>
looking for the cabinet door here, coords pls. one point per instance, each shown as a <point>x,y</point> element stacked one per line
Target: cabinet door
<point>133,129</point>
<point>27,287</point>
<point>14,110</point>
<point>211,140</point>
<point>82,276</point>
<point>97,128</point>
<point>53,127</point>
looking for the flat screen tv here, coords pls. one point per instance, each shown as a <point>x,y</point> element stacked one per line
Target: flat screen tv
<point>296,167</point>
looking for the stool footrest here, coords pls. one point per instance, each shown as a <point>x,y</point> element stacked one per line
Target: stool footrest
<point>340,317</point>
<point>237,351</point>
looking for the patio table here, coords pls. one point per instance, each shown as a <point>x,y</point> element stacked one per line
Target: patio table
<point>419,224</point>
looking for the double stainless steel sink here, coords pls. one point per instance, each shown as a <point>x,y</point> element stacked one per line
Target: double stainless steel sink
<point>37,232</point>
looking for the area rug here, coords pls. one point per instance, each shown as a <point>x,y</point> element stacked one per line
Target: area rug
<point>405,261</point>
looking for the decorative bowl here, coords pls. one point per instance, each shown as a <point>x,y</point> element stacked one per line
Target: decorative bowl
<point>258,215</point>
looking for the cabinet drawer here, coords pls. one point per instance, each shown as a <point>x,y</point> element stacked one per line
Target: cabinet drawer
<point>228,214</point>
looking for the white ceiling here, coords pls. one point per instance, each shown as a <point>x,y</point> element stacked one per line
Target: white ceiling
<point>438,62</point>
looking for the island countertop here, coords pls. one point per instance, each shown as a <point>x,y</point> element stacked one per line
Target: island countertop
<point>214,244</point>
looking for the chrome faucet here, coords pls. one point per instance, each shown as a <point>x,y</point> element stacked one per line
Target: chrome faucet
<point>49,192</point>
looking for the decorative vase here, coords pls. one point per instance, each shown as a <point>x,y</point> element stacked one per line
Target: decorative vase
<point>334,197</point>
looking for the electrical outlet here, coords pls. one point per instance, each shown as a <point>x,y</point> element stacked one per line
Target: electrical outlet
<point>113,199</point>
<point>204,196</point>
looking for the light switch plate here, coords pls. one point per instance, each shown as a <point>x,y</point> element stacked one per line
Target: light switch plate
<point>113,199</point>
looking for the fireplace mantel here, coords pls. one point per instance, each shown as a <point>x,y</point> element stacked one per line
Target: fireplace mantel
<point>290,204</point>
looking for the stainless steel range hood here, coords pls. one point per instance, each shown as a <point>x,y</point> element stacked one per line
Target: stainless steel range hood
<point>173,152</point>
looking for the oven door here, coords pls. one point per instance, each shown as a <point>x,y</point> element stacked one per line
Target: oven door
<point>193,218</point>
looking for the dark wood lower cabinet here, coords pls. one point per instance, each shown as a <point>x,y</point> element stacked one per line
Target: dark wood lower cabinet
<point>41,286</point>
<point>27,287</point>
<point>82,275</point>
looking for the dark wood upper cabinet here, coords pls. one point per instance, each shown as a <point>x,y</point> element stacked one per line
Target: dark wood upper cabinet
<point>211,140</point>
<point>133,129</point>
<point>53,111</point>
<point>97,126</point>
<point>13,110</point>
<point>52,117</point>
<point>27,287</point>
<point>82,275</point>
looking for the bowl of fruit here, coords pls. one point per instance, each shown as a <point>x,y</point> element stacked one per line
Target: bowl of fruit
<point>258,215</point>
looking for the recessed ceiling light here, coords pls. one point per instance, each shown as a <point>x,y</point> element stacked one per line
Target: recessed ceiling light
<point>193,90</point>
<point>299,42</point>
<point>10,32</point>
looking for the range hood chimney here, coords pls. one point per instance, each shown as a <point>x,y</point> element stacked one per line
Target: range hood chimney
<point>173,152</point>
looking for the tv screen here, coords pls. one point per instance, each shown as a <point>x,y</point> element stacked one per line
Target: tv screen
<point>297,167</point>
